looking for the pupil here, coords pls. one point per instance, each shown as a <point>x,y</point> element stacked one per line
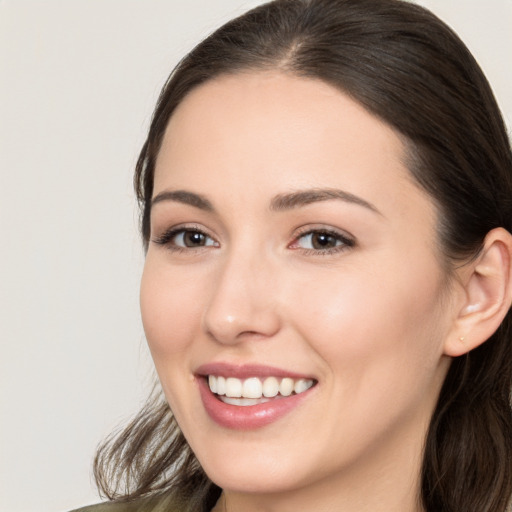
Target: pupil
<point>323,240</point>
<point>193,238</point>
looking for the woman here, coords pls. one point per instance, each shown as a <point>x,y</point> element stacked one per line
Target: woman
<point>326,209</point>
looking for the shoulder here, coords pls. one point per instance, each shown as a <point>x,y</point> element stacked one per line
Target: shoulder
<point>139,505</point>
<point>115,507</point>
<point>108,507</point>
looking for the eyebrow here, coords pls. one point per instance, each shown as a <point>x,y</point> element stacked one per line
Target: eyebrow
<point>304,197</point>
<point>182,196</point>
<point>281,202</point>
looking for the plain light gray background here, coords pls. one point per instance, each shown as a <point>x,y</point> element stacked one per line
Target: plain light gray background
<point>78,81</point>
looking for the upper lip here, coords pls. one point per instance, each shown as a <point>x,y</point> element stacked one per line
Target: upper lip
<point>244,371</point>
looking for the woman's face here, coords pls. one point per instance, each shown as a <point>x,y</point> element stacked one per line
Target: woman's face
<point>290,248</point>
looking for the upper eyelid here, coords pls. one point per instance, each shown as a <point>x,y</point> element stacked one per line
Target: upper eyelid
<point>294,236</point>
<point>307,229</point>
<point>347,239</point>
<point>167,234</point>
<point>186,227</point>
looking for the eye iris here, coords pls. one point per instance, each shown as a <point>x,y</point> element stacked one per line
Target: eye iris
<point>193,239</point>
<point>323,241</point>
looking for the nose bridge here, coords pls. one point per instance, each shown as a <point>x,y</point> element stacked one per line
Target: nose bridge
<point>242,304</point>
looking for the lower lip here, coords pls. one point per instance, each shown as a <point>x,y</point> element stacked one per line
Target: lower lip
<point>247,417</point>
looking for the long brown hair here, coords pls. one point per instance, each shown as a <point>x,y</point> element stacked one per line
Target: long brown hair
<point>408,68</point>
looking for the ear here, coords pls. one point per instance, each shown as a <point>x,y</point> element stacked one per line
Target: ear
<point>487,295</point>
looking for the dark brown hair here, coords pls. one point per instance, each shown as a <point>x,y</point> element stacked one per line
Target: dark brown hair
<point>408,68</point>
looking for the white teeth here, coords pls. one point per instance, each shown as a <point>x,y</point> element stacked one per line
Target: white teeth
<point>302,385</point>
<point>221,385</point>
<point>254,388</point>
<point>244,402</point>
<point>286,387</point>
<point>212,382</point>
<point>233,387</point>
<point>270,387</point>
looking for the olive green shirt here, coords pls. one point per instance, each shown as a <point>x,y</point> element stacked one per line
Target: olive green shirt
<point>153,504</point>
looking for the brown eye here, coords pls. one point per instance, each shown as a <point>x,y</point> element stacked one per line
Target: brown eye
<point>322,241</point>
<point>191,239</point>
<point>185,239</point>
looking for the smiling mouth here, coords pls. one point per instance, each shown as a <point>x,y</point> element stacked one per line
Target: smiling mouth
<point>254,390</point>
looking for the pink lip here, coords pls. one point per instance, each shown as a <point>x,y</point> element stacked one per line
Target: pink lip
<point>247,370</point>
<point>250,417</point>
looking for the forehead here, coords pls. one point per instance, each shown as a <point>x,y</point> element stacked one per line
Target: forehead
<point>276,132</point>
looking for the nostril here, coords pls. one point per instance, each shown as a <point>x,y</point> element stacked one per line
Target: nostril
<point>242,327</point>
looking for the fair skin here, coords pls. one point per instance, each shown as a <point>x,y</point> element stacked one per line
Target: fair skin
<point>346,289</point>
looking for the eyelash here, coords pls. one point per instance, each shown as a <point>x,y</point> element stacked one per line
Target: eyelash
<point>346,242</point>
<point>167,237</point>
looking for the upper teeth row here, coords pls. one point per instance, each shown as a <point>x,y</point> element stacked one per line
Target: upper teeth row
<point>255,388</point>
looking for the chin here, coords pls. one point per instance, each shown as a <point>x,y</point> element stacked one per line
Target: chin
<point>263,468</point>
<point>253,479</point>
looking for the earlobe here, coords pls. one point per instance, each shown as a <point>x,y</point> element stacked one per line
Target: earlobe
<point>488,295</point>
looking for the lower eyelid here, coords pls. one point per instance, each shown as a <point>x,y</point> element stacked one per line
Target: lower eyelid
<point>169,236</point>
<point>344,240</point>
<point>181,233</point>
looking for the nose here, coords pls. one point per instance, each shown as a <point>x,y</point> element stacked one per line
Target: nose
<point>242,304</point>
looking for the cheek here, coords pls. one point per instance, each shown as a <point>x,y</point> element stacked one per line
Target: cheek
<point>170,308</point>
<point>373,323</point>
<point>170,314</point>
<point>379,340</point>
